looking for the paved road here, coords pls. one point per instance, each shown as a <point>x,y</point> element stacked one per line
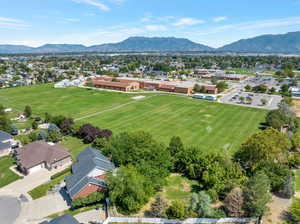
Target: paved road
<point>10,208</point>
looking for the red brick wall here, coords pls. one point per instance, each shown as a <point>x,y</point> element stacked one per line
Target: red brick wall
<point>87,190</point>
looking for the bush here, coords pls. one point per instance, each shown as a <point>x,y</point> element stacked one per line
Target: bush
<point>89,200</point>
<point>176,210</point>
<point>88,133</point>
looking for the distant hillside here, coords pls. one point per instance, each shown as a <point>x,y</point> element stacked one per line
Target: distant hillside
<point>152,44</point>
<point>15,49</point>
<point>282,43</point>
<point>57,48</point>
<point>130,44</point>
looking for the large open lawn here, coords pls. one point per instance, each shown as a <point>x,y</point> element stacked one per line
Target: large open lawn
<point>213,126</point>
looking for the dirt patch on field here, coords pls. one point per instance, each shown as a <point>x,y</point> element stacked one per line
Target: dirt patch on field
<point>296,107</point>
<point>277,208</point>
<point>208,115</point>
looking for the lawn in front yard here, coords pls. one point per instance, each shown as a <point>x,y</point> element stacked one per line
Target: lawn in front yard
<point>6,175</point>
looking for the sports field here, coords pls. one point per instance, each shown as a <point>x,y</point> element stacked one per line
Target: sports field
<point>212,126</point>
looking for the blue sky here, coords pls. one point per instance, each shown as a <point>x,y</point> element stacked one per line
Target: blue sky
<point>211,22</point>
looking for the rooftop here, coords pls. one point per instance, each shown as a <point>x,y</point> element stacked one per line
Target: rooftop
<point>38,152</point>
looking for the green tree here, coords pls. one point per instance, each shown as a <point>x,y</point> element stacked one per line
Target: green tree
<point>257,195</point>
<point>53,136</point>
<point>222,86</point>
<point>34,125</point>
<point>128,190</point>
<point>177,210</point>
<point>212,170</point>
<point>294,212</point>
<point>27,111</point>
<point>175,146</point>
<point>201,204</point>
<point>248,88</point>
<point>264,146</point>
<point>5,123</point>
<point>100,143</point>
<point>139,149</point>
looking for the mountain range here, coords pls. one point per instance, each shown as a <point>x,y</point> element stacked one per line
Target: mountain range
<point>281,43</point>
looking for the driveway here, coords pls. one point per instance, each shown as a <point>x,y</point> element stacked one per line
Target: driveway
<point>10,208</point>
<point>29,182</point>
<point>35,211</point>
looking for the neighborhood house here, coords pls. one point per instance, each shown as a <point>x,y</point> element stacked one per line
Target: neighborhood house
<point>88,173</point>
<point>6,141</point>
<point>39,154</point>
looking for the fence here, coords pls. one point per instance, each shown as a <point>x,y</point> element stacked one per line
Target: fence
<point>175,221</point>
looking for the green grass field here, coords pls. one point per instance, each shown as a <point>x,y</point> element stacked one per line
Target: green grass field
<point>6,175</point>
<point>212,126</point>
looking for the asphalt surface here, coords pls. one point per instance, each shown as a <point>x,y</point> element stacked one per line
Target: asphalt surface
<point>10,209</point>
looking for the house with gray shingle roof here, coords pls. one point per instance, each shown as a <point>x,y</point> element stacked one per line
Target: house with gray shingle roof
<point>5,143</point>
<point>65,219</point>
<point>88,173</point>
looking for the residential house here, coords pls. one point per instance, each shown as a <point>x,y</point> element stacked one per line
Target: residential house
<point>6,141</point>
<point>39,154</point>
<point>295,91</point>
<point>65,219</point>
<point>88,173</point>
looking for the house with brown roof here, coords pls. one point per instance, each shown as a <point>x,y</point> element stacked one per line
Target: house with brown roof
<point>39,154</point>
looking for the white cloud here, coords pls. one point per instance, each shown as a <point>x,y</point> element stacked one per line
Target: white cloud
<point>145,19</point>
<point>220,19</point>
<point>119,2</point>
<point>188,22</point>
<point>95,3</point>
<point>155,28</point>
<point>11,23</point>
<point>89,14</point>
<point>165,18</point>
<point>269,23</point>
<point>73,20</point>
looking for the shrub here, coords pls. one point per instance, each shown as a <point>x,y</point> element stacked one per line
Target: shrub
<point>89,200</point>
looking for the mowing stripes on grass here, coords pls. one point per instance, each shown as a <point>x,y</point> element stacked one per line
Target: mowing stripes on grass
<point>207,124</point>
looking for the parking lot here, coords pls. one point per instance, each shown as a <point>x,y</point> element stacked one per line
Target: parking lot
<point>257,100</point>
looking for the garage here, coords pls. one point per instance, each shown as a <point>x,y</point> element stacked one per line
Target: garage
<point>36,168</point>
